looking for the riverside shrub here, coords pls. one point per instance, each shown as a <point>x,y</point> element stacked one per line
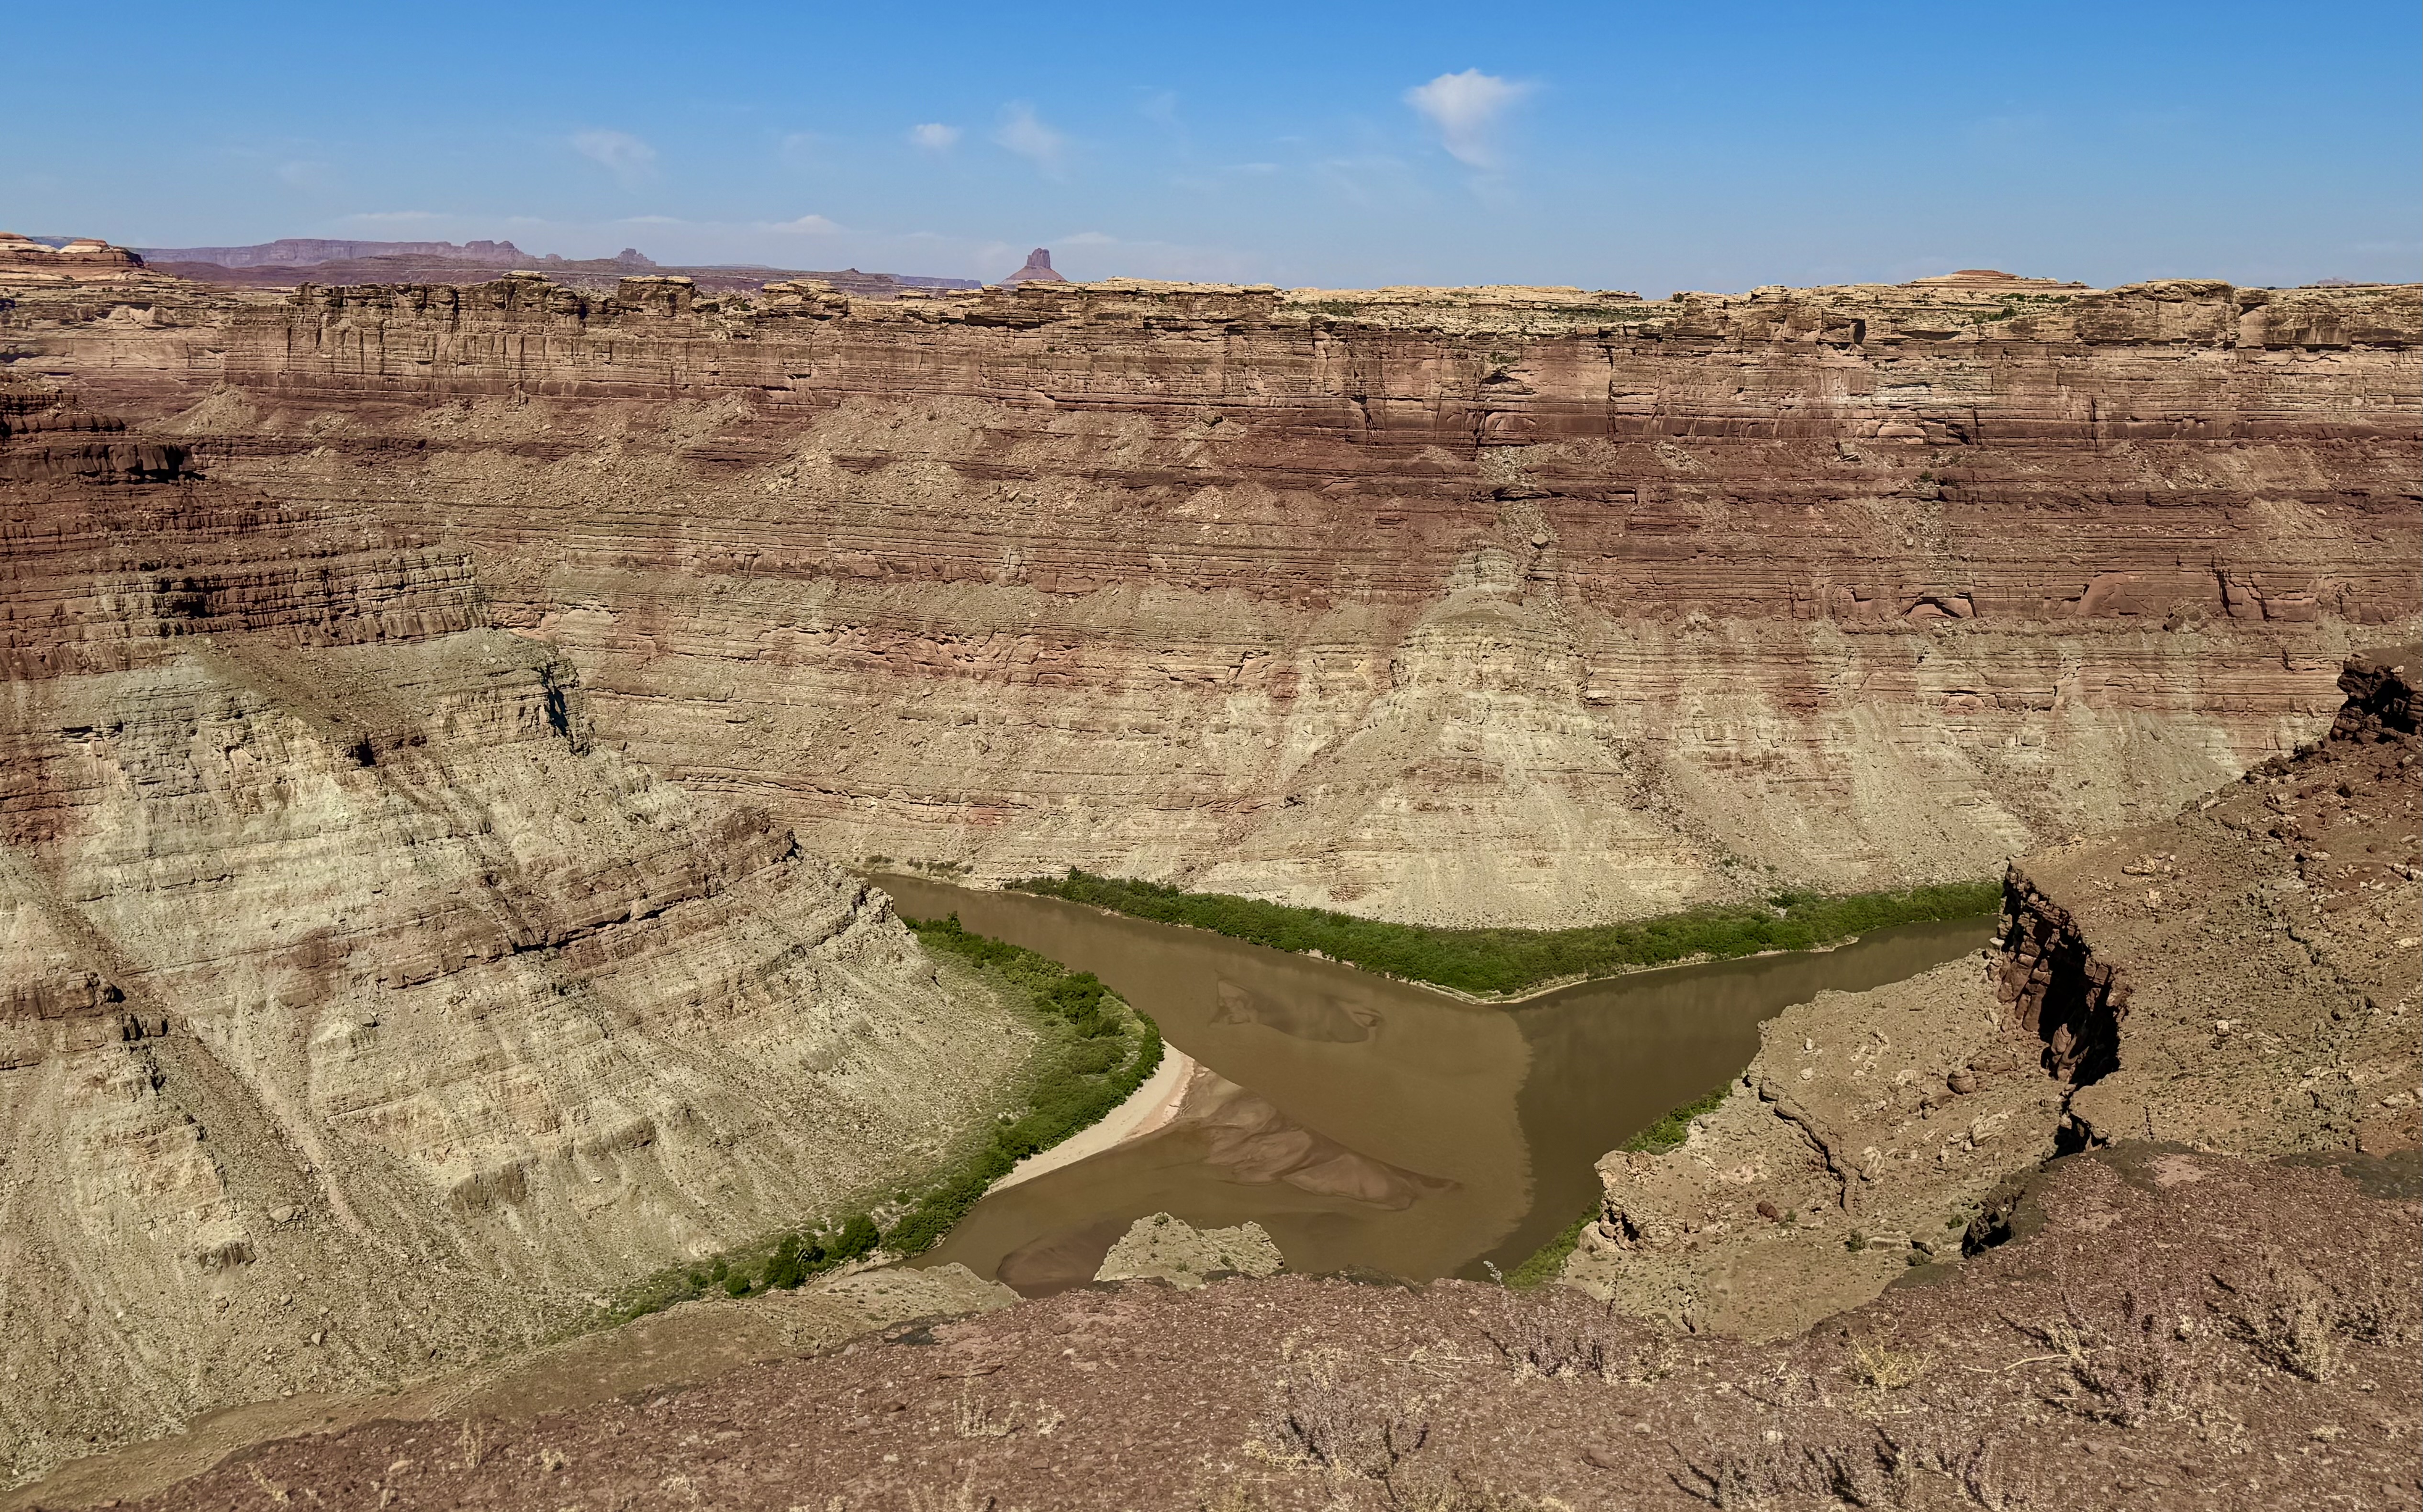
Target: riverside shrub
<point>1110,1052</point>
<point>1497,961</point>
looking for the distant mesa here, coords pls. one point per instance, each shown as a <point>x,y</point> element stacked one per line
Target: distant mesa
<point>1036,269</point>
<point>77,256</point>
<point>296,259</point>
<point>1988,279</point>
<point>291,251</point>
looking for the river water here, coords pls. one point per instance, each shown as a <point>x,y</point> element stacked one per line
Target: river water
<point>1366,1122</point>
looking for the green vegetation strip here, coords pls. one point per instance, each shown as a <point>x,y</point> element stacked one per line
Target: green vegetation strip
<point>1498,962</point>
<point>1547,1262</point>
<point>1096,1052</point>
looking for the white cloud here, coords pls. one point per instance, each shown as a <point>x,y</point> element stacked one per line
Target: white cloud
<point>628,157</point>
<point>808,225</point>
<point>1022,132</point>
<point>935,136</point>
<point>1464,108</point>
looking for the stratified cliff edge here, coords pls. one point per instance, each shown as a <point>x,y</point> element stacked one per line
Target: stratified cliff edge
<point>2242,978</point>
<point>359,1014</point>
<point>1506,605</point>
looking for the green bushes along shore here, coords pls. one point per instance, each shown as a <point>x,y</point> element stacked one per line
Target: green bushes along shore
<point>1093,1052</point>
<point>1498,962</point>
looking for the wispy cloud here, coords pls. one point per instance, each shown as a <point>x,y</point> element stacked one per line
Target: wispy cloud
<point>1465,109</point>
<point>934,137</point>
<point>807,225</point>
<point>1023,132</point>
<point>630,158</point>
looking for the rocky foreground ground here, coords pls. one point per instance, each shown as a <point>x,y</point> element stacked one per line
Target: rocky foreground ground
<point>2177,1329</point>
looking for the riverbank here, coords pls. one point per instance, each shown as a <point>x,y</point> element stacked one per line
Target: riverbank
<point>1501,967</point>
<point>1149,1108</point>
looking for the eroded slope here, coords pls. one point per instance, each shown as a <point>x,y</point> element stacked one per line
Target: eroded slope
<point>358,1011</point>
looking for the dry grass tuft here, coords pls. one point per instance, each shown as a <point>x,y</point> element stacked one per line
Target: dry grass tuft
<point>1882,1369</point>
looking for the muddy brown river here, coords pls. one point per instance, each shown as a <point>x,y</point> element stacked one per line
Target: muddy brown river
<point>1369,1123</point>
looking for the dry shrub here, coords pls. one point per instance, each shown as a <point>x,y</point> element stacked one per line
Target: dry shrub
<point>2148,1365</point>
<point>2293,1320</point>
<point>1560,1332</point>
<point>1907,1469</point>
<point>1374,1439</point>
<point>963,1496</point>
<point>1325,1413</point>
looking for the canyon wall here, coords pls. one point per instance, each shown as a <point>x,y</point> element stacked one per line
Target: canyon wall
<point>359,1012</point>
<point>2238,978</point>
<point>1498,605</point>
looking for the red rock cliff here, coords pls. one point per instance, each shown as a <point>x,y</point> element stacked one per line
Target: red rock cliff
<point>1510,604</point>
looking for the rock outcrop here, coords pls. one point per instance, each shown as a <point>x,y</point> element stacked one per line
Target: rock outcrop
<point>360,1011</point>
<point>1496,605</point>
<point>1167,1248</point>
<point>2242,978</point>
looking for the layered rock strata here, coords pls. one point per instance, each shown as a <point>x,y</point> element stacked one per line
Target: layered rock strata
<point>2244,979</point>
<point>1488,605</point>
<point>359,1013</point>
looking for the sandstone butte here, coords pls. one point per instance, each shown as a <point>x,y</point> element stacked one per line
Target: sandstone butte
<point>428,705</point>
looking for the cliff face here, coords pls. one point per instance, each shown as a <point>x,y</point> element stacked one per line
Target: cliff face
<point>2240,979</point>
<point>357,1011</point>
<point>1498,605</point>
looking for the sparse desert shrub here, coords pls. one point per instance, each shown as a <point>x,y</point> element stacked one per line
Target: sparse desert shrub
<point>1883,1467</point>
<point>2146,1366</point>
<point>2293,1320</point>
<point>1338,1417</point>
<point>1557,1334</point>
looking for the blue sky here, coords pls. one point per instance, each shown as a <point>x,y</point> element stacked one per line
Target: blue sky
<point>1706,146</point>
